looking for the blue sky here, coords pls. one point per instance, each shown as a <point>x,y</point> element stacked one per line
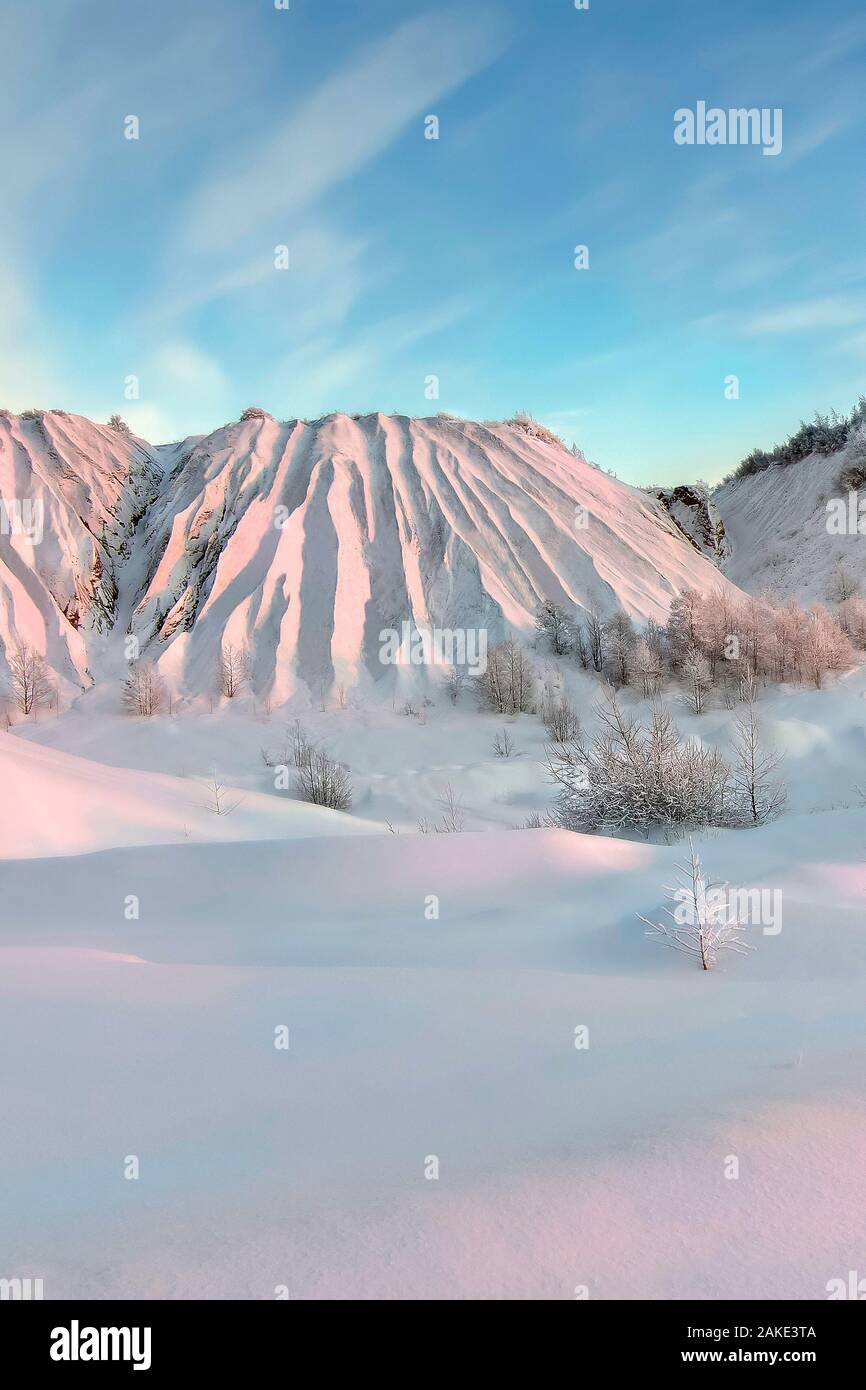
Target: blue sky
<point>412,258</point>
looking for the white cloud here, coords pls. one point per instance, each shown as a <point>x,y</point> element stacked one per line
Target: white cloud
<point>806,316</point>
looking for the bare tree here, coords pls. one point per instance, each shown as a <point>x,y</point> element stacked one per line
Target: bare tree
<point>595,639</point>
<point>696,675</point>
<point>553,623</point>
<point>508,684</point>
<point>579,645</point>
<point>619,644</point>
<point>759,794</point>
<point>143,692</point>
<point>703,922</point>
<point>454,682</point>
<point>647,666</point>
<point>843,584</point>
<point>232,669</point>
<point>852,619</point>
<point>29,681</point>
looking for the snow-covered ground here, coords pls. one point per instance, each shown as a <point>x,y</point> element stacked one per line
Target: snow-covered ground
<point>431,986</point>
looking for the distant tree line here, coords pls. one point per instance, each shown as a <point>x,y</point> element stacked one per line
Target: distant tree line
<point>826,434</point>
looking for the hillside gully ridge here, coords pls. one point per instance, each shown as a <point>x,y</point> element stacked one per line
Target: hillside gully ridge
<point>304,541</point>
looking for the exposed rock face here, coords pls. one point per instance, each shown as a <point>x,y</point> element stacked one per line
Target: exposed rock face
<point>695,514</point>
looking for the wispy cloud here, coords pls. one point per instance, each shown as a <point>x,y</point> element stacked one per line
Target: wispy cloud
<point>350,119</point>
<point>807,315</point>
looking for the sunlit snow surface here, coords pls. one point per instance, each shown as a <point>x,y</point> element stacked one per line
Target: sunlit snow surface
<point>414,1037</point>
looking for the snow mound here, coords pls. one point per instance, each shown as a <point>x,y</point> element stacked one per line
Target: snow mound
<point>57,804</point>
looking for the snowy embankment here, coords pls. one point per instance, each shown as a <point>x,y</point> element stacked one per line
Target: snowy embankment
<point>56,803</point>
<point>776,522</point>
<point>414,1037</point>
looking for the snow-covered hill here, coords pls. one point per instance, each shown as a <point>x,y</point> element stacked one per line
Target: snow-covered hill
<point>71,493</point>
<point>776,522</point>
<point>302,541</point>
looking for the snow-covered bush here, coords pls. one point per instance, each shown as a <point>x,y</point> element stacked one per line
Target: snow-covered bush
<point>843,584</point>
<point>454,682</point>
<point>253,412</point>
<point>824,435</point>
<point>117,423</point>
<point>322,781</point>
<point>853,476</point>
<point>629,777</point>
<point>703,922</point>
<point>852,619</point>
<point>508,685</point>
<point>525,422</point>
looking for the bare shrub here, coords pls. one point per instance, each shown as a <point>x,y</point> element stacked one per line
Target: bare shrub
<point>560,719</point>
<point>452,819</point>
<point>503,746</point>
<point>322,781</point>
